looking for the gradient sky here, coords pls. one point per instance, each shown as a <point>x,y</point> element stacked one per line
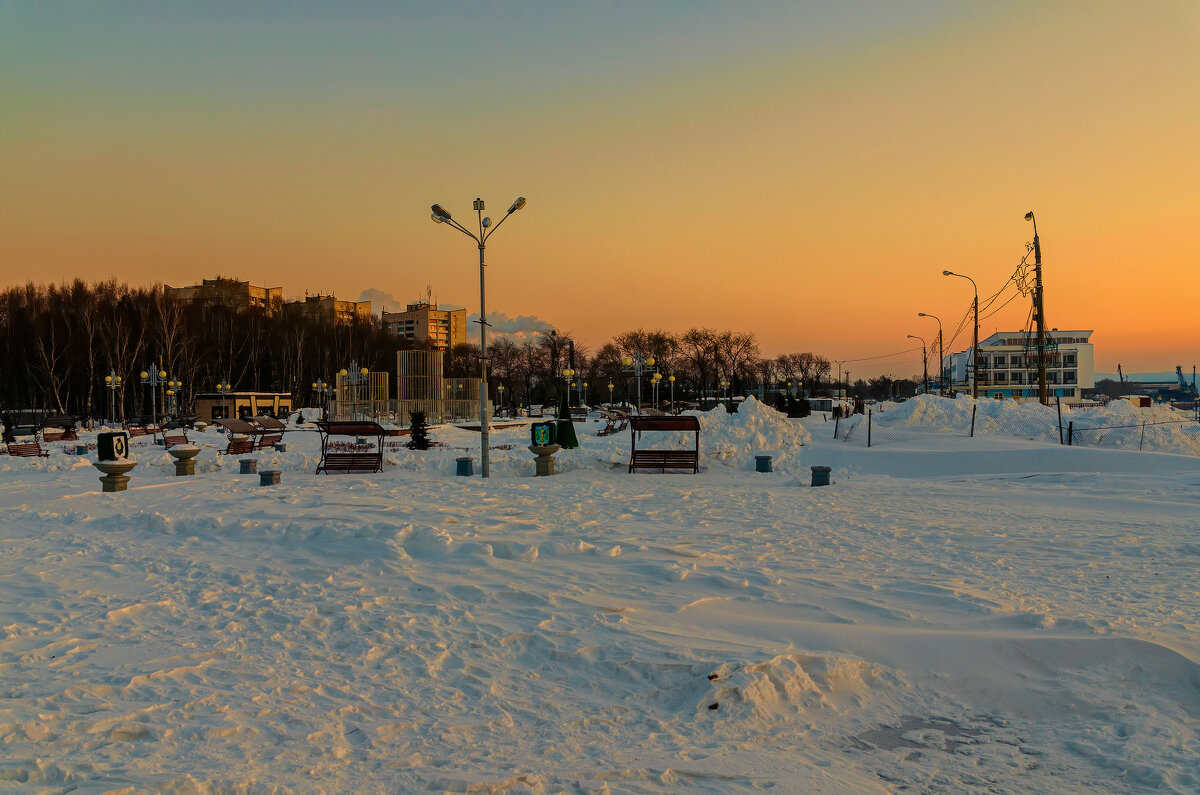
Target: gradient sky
<point>801,170</point>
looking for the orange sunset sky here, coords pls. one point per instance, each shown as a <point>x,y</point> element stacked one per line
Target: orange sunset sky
<point>803,170</point>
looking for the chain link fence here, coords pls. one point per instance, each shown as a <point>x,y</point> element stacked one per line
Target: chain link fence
<point>928,418</point>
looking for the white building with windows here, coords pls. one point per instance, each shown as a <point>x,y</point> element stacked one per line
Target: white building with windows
<point>1008,365</point>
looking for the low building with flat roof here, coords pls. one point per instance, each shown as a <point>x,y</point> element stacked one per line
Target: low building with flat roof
<point>231,293</point>
<point>330,309</point>
<point>1008,365</point>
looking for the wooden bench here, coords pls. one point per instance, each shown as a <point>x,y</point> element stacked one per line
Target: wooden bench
<point>27,449</point>
<point>240,447</point>
<point>607,429</point>
<point>268,440</point>
<point>351,462</point>
<point>70,434</point>
<point>664,459</point>
<point>174,437</point>
<point>139,430</point>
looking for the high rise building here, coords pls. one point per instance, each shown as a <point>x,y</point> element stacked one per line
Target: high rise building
<point>424,323</point>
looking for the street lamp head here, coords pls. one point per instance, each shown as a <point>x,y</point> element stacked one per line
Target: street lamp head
<point>518,204</point>
<point>487,222</point>
<point>626,361</point>
<point>650,361</point>
<point>343,372</point>
<point>440,214</point>
<point>437,219</point>
<point>1029,215</point>
<point>477,205</point>
<point>671,379</point>
<point>949,273</point>
<point>145,374</point>
<point>922,314</point>
<point>108,379</point>
<point>364,371</point>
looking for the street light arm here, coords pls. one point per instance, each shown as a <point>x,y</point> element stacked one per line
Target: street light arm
<point>492,231</point>
<point>461,228</point>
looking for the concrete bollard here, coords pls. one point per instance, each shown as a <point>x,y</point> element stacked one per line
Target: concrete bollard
<point>762,463</point>
<point>269,477</point>
<point>820,476</point>
<point>249,466</point>
<point>464,466</point>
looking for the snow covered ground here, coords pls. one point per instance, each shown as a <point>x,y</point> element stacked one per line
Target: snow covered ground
<point>988,614</point>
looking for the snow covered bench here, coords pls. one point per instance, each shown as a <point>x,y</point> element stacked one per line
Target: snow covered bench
<point>27,449</point>
<point>334,460</point>
<point>664,459</point>
<point>174,437</point>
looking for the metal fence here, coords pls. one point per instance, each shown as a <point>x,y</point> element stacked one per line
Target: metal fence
<point>881,427</point>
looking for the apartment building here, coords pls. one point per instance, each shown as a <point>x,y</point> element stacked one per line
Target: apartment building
<point>424,323</point>
<point>328,308</point>
<point>230,293</point>
<point>1008,365</point>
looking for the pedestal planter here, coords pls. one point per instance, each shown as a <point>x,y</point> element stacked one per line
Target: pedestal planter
<point>762,463</point>
<point>464,466</point>
<point>545,458</point>
<point>269,477</point>
<point>184,455</point>
<point>820,476</point>
<point>114,477</point>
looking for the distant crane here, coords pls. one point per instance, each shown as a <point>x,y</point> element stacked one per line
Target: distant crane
<point>1184,386</point>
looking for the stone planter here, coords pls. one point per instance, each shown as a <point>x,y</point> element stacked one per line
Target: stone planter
<point>114,477</point>
<point>184,455</point>
<point>545,458</point>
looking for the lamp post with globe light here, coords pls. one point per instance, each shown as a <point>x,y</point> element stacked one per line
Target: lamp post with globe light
<point>638,364</point>
<point>154,378</point>
<point>441,216</point>
<point>223,389</point>
<point>671,380</point>
<point>112,382</point>
<point>323,392</point>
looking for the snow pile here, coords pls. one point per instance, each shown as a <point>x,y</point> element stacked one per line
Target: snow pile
<point>756,429</point>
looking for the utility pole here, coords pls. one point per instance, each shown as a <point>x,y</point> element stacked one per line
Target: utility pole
<point>1039,311</point>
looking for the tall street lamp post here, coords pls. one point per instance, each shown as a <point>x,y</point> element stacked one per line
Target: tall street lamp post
<point>610,389</point>
<point>671,379</point>
<point>654,381</point>
<point>975,346</point>
<point>924,362</point>
<point>941,352</point>
<point>839,378</point>
<point>113,382</point>
<point>441,216</point>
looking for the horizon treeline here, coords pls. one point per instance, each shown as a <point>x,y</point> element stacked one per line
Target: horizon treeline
<point>61,340</point>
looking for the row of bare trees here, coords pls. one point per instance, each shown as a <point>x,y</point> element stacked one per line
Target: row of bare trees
<point>60,341</point>
<point>700,359</point>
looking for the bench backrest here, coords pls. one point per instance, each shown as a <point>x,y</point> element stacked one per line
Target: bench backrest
<point>24,448</point>
<point>680,423</point>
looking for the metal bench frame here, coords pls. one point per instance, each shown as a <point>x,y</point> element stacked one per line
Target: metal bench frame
<point>664,459</point>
